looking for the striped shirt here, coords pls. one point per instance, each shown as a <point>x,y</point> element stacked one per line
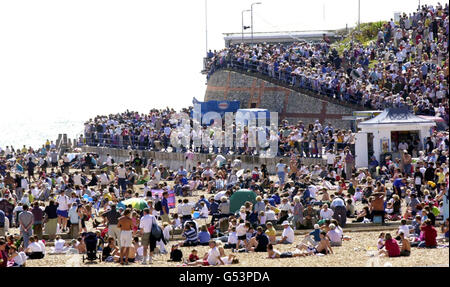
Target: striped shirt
<point>191,235</point>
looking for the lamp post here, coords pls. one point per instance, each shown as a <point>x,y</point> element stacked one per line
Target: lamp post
<point>359,15</point>
<point>243,24</point>
<point>256,3</point>
<point>206,25</point>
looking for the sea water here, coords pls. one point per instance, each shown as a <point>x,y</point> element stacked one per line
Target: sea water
<point>35,132</point>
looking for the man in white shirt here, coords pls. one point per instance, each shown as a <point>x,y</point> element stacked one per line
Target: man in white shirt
<point>326,213</point>
<point>213,256</point>
<point>77,179</point>
<point>287,237</point>
<point>186,210</point>
<point>121,173</point>
<point>403,228</point>
<point>145,225</point>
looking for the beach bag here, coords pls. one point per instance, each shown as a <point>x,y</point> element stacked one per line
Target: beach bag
<point>377,219</point>
<point>156,231</point>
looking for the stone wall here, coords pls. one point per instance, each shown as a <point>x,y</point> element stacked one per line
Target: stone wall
<point>290,105</point>
<point>175,160</point>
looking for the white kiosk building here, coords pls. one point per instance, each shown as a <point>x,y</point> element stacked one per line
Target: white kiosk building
<point>383,133</point>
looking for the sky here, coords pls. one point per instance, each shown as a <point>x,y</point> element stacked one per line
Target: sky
<point>75,59</point>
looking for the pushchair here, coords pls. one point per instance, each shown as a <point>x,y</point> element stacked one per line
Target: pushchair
<point>91,241</point>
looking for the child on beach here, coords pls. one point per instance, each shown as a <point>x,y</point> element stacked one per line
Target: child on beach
<point>193,256</point>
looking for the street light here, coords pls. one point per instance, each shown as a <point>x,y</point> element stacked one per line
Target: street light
<point>359,15</point>
<point>243,27</point>
<point>256,3</point>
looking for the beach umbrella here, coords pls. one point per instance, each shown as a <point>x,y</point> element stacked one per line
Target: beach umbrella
<point>136,203</point>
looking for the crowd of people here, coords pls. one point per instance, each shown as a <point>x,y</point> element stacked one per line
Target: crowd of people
<point>159,129</point>
<point>44,192</point>
<point>84,203</point>
<point>406,65</point>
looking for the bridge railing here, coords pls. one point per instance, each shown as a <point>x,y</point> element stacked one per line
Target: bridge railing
<point>283,76</point>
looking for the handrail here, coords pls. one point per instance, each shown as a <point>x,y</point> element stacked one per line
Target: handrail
<point>282,78</point>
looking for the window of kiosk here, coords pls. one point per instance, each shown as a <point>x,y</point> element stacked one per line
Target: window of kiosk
<point>410,138</point>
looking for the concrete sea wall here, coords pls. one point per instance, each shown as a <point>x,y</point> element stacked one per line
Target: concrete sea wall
<point>175,160</point>
<point>291,105</point>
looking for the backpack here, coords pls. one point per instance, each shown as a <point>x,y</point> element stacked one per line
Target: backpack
<point>156,232</point>
<point>158,206</point>
<point>176,255</point>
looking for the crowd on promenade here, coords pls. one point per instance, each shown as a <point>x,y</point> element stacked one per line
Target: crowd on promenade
<point>407,64</point>
<point>159,129</point>
<point>43,191</point>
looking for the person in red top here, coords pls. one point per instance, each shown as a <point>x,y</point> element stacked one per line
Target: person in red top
<point>193,256</point>
<point>391,247</point>
<point>429,234</point>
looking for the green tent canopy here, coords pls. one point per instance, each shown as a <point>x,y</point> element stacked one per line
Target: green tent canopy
<point>239,198</point>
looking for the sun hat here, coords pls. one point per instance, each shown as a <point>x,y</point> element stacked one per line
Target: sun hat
<point>316,226</point>
<point>285,223</point>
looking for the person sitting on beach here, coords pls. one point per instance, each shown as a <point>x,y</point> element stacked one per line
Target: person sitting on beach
<point>405,245</point>
<point>110,250</point>
<point>271,232</point>
<point>391,247</point>
<point>81,245</point>
<point>380,242</point>
<point>60,247</point>
<point>193,256</point>
<point>34,250</point>
<point>212,258</point>
<point>259,242</point>
<point>275,254</point>
<point>324,246</point>
<point>191,236</point>
<point>204,236</point>
<point>287,237</point>
<point>232,239</point>
<point>429,234</point>
<point>18,258</point>
<point>335,236</point>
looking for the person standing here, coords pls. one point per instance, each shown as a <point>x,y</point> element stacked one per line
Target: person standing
<point>30,167</point>
<point>125,224</point>
<point>122,178</point>
<point>38,214</point>
<point>51,217</point>
<point>26,220</point>
<point>74,217</point>
<point>339,209</point>
<point>281,172</point>
<point>189,160</point>
<point>145,226</point>
<point>62,211</point>
<point>112,219</point>
<point>349,161</point>
<point>165,208</point>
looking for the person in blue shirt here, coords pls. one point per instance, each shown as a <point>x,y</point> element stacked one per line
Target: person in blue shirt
<point>315,236</point>
<point>398,184</point>
<point>202,199</point>
<point>213,210</point>
<point>204,236</point>
<point>165,208</point>
<point>276,198</point>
